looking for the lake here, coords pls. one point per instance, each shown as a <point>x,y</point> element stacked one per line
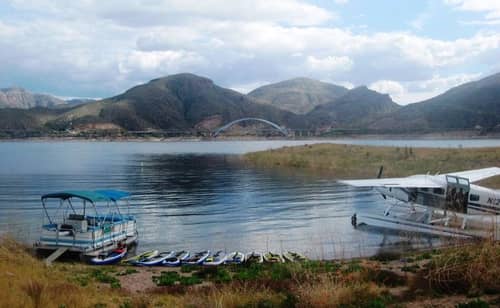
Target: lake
<point>198,195</point>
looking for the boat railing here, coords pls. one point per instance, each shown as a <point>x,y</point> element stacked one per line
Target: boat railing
<point>99,223</point>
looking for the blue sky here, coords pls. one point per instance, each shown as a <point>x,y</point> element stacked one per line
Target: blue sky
<point>410,49</point>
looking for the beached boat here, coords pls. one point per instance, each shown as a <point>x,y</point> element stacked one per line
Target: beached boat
<point>254,257</point>
<point>217,258</point>
<point>176,259</point>
<point>109,258</point>
<point>198,258</point>
<point>156,260</point>
<point>143,256</point>
<point>270,257</point>
<point>86,222</point>
<point>291,256</point>
<point>235,257</point>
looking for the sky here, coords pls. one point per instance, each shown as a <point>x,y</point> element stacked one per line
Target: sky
<point>410,49</point>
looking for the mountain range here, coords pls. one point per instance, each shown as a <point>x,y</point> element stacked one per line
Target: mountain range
<point>189,102</point>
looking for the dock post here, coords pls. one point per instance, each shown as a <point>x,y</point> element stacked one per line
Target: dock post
<point>56,254</point>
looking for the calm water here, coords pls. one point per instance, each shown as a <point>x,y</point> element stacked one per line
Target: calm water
<point>197,195</point>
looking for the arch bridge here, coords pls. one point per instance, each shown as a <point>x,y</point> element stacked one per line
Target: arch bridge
<point>276,126</point>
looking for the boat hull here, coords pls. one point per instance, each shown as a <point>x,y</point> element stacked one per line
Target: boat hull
<point>109,260</point>
<point>91,242</point>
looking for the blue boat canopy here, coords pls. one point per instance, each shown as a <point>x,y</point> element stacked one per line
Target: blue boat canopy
<point>89,195</point>
<point>114,194</point>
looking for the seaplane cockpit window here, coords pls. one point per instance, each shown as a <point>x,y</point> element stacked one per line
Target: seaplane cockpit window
<point>438,191</point>
<point>463,181</point>
<point>474,197</point>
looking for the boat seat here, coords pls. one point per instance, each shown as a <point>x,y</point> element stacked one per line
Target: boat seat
<point>50,226</point>
<point>76,217</point>
<point>65,227</point>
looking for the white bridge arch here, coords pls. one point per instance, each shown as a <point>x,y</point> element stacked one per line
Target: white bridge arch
<point>278,128</point>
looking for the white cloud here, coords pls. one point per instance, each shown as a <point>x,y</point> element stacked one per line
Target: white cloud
<point>440,84</point>
<point>90,48</point>
<point>387,87</point>
<point>419,21</point>
<point>491,8</point>
<point>391,87</point>
<point>346,84</point>
<point>162,12</point>
<point>159,61</point>
<point>419,90</point>
<point>248,87</point>
<point>329,63</point>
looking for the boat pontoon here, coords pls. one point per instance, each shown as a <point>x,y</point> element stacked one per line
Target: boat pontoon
<point>86,222</point>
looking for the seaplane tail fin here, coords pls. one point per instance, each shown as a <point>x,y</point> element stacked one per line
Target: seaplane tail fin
<point>409,182</point>
<point>478,174</point>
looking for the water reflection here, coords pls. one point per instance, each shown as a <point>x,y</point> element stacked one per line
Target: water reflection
<point>208,201</point>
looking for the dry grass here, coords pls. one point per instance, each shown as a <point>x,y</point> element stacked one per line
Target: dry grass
<point>331,292</point>
<point>463,270</point>
<point>26,282</point>
<point>352,161</point>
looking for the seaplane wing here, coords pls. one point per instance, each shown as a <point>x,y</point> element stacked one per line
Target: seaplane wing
<point>478,174</point>
<point>417,181</point>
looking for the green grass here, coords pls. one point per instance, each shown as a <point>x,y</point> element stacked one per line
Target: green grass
<point>166,278</point>
<point>104,276</point>
<point>477,303</point>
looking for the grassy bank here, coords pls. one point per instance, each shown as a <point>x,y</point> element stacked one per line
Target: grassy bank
<point>439,278</point>
<point>351,161</point>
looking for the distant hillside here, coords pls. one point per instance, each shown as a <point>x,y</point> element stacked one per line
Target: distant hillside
<point>180,101</point>
<point>461,108</point>
<point>357,108</point>
<point>21,98</point>
<point>26,119</point>
<point>299,95</point>
<point>79,101</point>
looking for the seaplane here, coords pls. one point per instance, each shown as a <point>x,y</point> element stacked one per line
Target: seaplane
<point>441,204</point>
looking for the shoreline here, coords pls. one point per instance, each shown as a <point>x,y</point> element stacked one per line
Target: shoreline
<point>200,139</point>
<point>451,135</point>
<point>440,277</point>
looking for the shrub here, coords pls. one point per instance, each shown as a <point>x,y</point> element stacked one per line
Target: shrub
<point>461,270</point>
<point>188,281</point>
<point>477,303</point>
<point>166,278</point>
<point>104,277</point>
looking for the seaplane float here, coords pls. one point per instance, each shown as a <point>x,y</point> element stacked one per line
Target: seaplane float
<point>440,204</point>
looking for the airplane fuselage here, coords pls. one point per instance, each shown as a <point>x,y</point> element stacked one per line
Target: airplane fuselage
<point>460,197</point>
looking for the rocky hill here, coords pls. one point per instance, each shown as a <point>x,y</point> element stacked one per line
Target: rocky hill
<point>23,99</point>
<point>468,106</point>
<point>299,95</point>
<point>181,101</point>
<point>356,109</point>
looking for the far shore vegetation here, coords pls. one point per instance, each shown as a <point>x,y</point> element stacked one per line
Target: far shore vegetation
<point>353,161</point>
